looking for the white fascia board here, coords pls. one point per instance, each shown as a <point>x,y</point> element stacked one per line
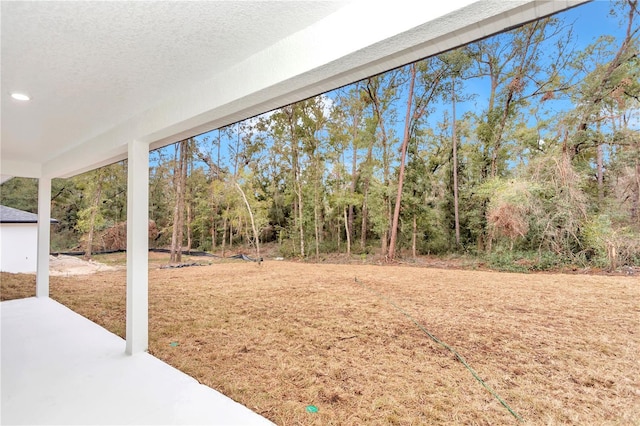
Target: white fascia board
<point>354,43</point>
<point>108,148</point>
<point>10,168</point>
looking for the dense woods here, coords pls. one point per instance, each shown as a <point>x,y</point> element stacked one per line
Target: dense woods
<point>523,149</point>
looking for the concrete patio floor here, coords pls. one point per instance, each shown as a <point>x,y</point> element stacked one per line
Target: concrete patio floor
<point>58,367</point>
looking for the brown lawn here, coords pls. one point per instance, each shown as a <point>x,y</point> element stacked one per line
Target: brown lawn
<point>558,349</point>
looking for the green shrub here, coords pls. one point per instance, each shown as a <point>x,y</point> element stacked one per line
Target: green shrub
<point>609,245</point>
<point>505,260</point>
<point>525,261</point>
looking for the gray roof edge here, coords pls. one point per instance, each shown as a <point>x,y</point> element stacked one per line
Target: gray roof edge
<point>11,215</point>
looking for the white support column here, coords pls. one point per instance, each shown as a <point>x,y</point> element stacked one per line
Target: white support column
<point>44,235</point>
<point>137,333</point>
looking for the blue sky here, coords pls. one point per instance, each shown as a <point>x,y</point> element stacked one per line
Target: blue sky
<point>592,20</point>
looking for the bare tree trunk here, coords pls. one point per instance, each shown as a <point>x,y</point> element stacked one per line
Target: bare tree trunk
<point>214,228</point>
<point>189,227</point>
<point>635,207</point>
<point>178,211</point>
<point>600,171</point>
<point>403,157</point>
<point>354,169</point>
<point>224,230</point>
<point>296,218</point>
<point>296,177</point>
<point>301,218</point>
<point>95,205</point>
<point>213,232</point>
<point>176,183</point>
<point>347,231</point>
<point>316,227</point>
<point>365,196</point>
<point>455,166</point>
<point>253,223</point>
<point>363,228</point>
<point>385,167</point>
<point>248,232</point>
<point>316,216</point>
<point>414,235</point>
<point>384,243</point>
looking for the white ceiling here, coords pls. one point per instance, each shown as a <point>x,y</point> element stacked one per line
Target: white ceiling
<point>101,74</point>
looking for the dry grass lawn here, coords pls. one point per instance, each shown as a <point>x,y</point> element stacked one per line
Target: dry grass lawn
<point>559,349</point>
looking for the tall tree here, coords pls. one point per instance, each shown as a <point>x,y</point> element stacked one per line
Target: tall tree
<point>91,216</point>
<point>454,154</point>
<point>403,156</point>
<point>284,127</point>
<point>459,62</point>
<point>425,87</point>
<point>356,109</point>
<point>512,63</point>
<point>381,91</point>
<point>180,181</point>
<point>612,79</point>
<point>312,127</point>
<point>293,127</point>
<point>102,206</point>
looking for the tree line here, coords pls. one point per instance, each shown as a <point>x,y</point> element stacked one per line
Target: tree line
<point>520,147</point>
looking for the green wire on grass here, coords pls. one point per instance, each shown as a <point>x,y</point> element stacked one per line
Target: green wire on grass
<point>449,348</point>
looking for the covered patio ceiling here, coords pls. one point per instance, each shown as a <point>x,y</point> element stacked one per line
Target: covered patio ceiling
<point>103,74</point>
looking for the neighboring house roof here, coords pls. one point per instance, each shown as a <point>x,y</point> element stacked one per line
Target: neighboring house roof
<point>11,215</point>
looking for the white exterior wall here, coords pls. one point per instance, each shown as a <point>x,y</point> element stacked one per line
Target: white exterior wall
<point>18,247</point>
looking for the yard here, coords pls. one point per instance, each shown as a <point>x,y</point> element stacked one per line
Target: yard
<point>352,340</point>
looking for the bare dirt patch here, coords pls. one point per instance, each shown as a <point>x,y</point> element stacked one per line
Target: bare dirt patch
<point>559,349</point>
<point>62,265</point>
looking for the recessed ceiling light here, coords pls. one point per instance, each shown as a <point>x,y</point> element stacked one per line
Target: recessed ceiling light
<point>20,97</point>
